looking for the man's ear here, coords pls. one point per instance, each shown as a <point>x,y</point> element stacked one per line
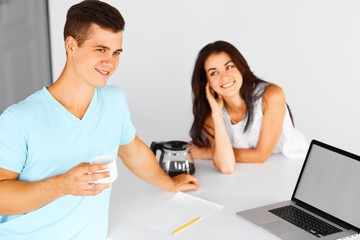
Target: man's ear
<point>70,45</point>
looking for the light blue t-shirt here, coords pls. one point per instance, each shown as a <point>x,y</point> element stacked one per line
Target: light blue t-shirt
<point>39,139</point>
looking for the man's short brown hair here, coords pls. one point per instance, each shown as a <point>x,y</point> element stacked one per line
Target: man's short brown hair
<point>80,17</point>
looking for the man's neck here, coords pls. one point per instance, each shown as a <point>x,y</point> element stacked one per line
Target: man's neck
<point>75,95</point>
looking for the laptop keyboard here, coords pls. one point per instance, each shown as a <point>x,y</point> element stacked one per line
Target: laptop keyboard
<point>305,221</point>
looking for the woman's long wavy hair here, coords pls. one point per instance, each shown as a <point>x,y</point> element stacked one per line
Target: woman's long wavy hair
<point>201,107</point>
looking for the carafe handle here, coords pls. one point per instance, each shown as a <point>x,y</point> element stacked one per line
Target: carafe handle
<point>156,146</point>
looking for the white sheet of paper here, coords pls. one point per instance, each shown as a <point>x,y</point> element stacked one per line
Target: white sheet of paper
<point>176,212</point>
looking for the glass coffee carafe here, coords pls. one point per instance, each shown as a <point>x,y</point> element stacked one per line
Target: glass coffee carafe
<point>175,157</point>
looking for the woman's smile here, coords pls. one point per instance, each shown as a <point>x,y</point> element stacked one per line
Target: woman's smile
<point>228,85</point>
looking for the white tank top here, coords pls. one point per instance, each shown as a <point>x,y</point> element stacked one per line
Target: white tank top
<point>291,143</point>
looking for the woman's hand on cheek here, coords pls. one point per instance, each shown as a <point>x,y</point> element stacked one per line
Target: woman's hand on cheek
<point>216,104</point>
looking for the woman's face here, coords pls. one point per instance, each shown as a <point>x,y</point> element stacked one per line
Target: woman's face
<point>223,76</point>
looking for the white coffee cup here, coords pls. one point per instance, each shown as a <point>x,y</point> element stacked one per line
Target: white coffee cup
<point>110,161</point>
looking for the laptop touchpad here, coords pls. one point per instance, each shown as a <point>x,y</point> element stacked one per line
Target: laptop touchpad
<point>278,227</point>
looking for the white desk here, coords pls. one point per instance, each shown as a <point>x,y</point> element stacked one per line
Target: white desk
<point>251,185</point>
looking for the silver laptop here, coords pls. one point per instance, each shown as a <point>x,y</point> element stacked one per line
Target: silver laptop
<point>326,201</point>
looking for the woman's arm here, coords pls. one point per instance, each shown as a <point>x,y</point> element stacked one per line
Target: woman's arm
<point>222,153</point>
<point>274,107</point>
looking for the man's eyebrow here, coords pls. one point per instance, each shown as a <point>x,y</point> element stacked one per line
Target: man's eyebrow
<point>107,48</point>
<point>102,46</point>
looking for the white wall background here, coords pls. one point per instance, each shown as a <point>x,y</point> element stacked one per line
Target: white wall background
<point>309,48</point>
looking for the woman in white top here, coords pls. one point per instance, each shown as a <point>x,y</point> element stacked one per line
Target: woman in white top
<point>237,116</point>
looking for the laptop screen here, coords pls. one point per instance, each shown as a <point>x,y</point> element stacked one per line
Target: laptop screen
<point>330,181</point>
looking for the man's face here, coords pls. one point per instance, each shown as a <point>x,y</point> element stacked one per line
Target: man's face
<point>98,57</point>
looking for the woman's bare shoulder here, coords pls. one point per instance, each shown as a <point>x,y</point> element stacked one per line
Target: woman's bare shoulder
<point>273,95</point>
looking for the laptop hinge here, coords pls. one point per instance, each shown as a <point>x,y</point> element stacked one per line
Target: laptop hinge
<point>325,215</point>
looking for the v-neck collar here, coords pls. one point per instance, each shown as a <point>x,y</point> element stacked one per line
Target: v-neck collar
<point>88,112</point>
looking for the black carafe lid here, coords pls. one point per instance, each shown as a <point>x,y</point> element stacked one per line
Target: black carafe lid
<point>176,145</point>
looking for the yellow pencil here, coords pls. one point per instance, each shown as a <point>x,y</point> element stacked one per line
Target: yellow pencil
<point>186,225</point>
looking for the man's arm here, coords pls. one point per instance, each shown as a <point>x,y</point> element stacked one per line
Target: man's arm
<point>18,197</point>
<point>142,162</point>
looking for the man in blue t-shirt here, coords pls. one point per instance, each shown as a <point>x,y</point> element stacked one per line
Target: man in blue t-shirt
<point>47,140</point>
